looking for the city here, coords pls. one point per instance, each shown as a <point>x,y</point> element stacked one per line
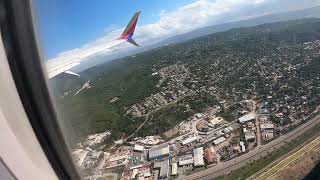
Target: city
<point>161,90</point>
<point>236,124</point>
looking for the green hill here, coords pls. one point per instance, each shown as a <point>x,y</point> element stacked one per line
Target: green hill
<point>130,78</point>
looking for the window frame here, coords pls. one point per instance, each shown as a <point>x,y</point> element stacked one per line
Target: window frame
<point>22,50</point>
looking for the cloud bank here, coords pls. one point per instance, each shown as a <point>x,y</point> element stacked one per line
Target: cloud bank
<point>184,19</point>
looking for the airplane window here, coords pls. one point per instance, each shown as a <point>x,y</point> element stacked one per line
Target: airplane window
<point>186,89</point>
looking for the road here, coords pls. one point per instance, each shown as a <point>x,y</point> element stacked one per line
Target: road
<point>255,154</point>
<point>257,124</point>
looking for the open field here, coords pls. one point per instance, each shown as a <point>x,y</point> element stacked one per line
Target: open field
<point>303,168</point>
<point>272,172</point>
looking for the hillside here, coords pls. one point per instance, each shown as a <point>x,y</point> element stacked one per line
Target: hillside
<point>226,61</point>
<point>313,12</point>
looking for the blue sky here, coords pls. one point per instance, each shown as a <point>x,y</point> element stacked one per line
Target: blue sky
<point>70,28</point>
<point>65,25</point>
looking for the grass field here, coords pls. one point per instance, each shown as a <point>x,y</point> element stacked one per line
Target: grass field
<point>285,162</point>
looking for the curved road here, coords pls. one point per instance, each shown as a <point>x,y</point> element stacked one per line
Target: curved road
<point>255,154</point>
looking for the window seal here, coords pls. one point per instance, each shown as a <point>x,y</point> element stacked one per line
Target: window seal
<point>19,39</point>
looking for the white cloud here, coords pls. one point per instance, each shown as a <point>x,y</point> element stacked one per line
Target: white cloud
<point>162,12</point>
<point>184,19</point>
<point>259,1</point>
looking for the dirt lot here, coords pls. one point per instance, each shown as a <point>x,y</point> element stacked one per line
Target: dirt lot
<point>300,168</point>
<point>170,133</point>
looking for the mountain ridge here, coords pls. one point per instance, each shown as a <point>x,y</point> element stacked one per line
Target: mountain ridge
<point>277,17</point>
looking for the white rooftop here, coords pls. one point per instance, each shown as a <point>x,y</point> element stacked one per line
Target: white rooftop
<point>266,126</point>
<point>198,115</point>
<point>138,147</point>
<point>189,140</point>
<point>147,174</point>
<point>186,160</point>
<point>249,135</point>
<point>164,168</point>
<point>174,170</point>
<point>247,117</point>
<point>219,140</point>
<point>160,150</point>
<point>198,156</point>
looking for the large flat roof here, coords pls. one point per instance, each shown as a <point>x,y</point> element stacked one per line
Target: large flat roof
<point>164,167</point>
<point>188,159</point>
<point>219,140</point>
<point>249,135</point>
<point>189,140</point>
<point>138,147</point>
<point>174,170</point>
<point>116,158</point>
<point>266,126</point>
<point>247,117</point>
<point>198,156</point>
<point>160,150</point>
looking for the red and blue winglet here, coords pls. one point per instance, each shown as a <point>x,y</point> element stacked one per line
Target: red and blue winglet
<point>128,32</point>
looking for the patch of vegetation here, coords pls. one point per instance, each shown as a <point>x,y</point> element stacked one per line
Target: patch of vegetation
<point>164,119</point>
<point>230,113</point>
<point>171,115</point>
<point>90,110</point>
<point>199,102</point>
<point>311,70</point>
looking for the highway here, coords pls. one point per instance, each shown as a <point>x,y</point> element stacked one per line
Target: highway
<point>255,154</point>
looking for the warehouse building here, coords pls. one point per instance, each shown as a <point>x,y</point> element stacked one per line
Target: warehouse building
<point>174,170</point>
<point>138,148</point>
<point>159,152</point>
<point>248,117</point>
<point>186,160</point>
<point>198,157</point>
<point>219,140</point>
<point>164,168</point>
<point>210,155</point>
<point>266,126</point>
<point>189,140</point>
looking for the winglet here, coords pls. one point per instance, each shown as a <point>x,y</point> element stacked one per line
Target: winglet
<point>130,40</point>
<point>129,30</point>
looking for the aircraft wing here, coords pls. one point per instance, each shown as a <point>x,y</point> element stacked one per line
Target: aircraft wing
<point>63,64</point>
<point>54,69</point>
